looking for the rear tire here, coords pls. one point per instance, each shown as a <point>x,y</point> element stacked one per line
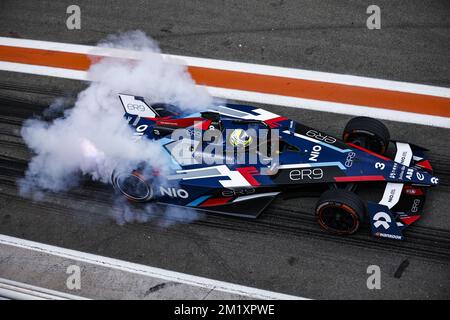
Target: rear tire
<point>133,185</point>
<point>340,211</point>
<point>164,109</point>
<point>368,133</point>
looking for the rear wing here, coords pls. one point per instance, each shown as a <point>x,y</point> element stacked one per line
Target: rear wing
<point>137,106</point>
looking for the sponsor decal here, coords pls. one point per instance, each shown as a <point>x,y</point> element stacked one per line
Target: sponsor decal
<point>319,136</point>
<point>409,174</point>
<point>174,192</point>
<point>420,176</point>
<point>238,192</point>
<point>302,174</point>
<point>402,172</point>
<point>349,160</point>
<point>393,174</point>
<point>162,123</point>
<point>412,190</point>
<point>315,153</point>
<point>434,180</point>
<point>387,235</point>
<point>403,157</point>
<point>404,153</point>
<point>135,107</point>
<point>415,206</point>
<point>391,195</point>
<point>139,133</point>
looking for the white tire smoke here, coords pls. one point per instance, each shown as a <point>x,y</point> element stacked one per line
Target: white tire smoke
<point>92,138</point>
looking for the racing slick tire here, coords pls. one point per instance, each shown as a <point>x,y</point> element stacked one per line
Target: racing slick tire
<point>368,133</point>
<point>340,211</point>
<point>133,185</point>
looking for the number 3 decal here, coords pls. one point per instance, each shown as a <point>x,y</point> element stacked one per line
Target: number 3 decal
<point>379,165</point>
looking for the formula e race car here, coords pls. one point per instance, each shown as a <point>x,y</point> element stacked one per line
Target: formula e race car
<point>236,159</point>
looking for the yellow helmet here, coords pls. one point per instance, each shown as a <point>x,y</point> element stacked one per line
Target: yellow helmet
<point>240,138</point>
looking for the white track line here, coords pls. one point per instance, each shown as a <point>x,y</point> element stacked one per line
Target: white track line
<point>44,71</point>
<point>21,291</point>
<point>327,106</point>
<point>146,270</point>
<point>248,96</point>
<point>265,98</point>
<point>239,67</point>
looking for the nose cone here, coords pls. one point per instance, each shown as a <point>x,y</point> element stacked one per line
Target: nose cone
<point>426,178</point>
<point>434,180</point>
<point>421,177</point>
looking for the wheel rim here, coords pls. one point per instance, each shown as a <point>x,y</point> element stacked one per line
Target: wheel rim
<point>337,218</point>
<point>133,187</point>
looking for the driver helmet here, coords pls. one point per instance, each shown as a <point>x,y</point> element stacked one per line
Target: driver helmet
<point>240,138</point>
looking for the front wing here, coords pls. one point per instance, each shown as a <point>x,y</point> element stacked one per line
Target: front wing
<point>401,204</point>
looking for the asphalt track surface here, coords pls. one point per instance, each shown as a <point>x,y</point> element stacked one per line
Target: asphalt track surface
<point>284,250</point>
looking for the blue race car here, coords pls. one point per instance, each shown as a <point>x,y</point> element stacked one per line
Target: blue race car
<point>240,172</point>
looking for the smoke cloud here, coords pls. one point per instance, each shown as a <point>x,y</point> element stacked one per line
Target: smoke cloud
<point>92,139</point>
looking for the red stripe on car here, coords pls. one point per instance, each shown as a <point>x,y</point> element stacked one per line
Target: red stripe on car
<point>359,178</point>
<point>273,123</point>
<point>215,201</point>
<point>409,220</point>
<point>425,164</point>
<point>368,151</point>
<point>247,173</point>
<point>182,123</point>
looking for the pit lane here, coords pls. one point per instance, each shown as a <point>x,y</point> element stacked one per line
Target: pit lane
<point>285,243</point>
<point>285,250</point>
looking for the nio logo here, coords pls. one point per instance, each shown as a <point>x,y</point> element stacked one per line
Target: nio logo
<point>382,219</point>
<point>420,176</point>
<point>391,195</point>
<point>302,174</point>
<point>403,157</point>
<point>320,137</point>
<point>174,192</point>
<point>315,153</point>
<point>135,107</point>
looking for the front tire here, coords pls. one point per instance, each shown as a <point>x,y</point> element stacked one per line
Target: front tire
<point>340,211</point>
<point>368,133</point>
